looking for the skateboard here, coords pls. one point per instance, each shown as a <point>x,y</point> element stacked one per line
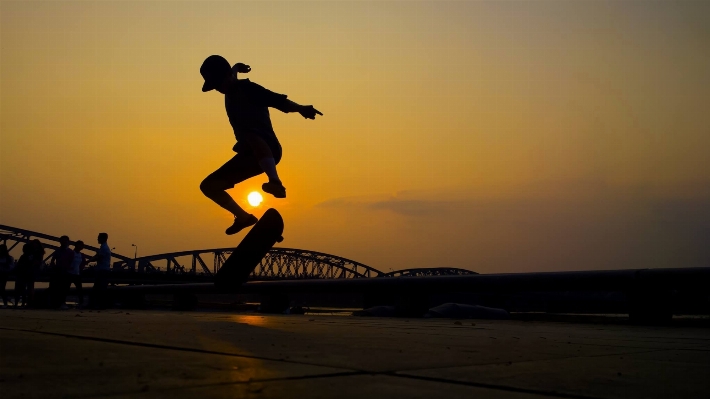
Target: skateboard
<point>247,255</point>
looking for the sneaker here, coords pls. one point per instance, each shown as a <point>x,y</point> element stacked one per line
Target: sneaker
<point>240,223</point>
<point>274,188</point>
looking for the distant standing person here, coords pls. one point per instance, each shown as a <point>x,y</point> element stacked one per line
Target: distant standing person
<point>6,264</point>
<point>103,268</point>
<point>74,275</point>
<point>58,268</point>
<point>23,275</point>
<point>258,150</point>
<point>37,261</point>
<point>26,271</point>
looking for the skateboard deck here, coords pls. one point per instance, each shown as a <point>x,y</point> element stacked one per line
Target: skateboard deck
<point>247,255</point>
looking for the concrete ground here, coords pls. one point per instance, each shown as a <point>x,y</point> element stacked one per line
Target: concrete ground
<point>77,354</point>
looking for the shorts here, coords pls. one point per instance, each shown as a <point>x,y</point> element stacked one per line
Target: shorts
<point>242,166</point>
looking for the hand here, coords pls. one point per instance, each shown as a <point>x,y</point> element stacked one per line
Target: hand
<point>308,112</point>
<point>241,68</point>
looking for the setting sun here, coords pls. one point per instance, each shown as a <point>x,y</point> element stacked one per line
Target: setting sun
<point>254,198</point>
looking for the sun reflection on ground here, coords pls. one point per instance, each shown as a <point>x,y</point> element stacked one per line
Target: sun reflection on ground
<point>237,340</point>
<point>258,321</point>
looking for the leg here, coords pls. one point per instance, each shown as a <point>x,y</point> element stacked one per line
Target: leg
<point>267,162</point>
<point>213,189</point>
<point>65,284</point>
<point>79,290</point>
<point>3,281</point>
<point>236,170</point>
<point>98,292</point>
<point>259,147</point>
<point>52,289</point>
<point>30,296</point>
<point>20,290</point>
<point>25,292</point>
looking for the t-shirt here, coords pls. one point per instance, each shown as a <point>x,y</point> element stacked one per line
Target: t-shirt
<point>76,263</point>
<point>104,262</point>
<point>35,262</point>
<point>247,108</point>
<point>63,258</point>
<point>23,268</point>
<point>6,263</point>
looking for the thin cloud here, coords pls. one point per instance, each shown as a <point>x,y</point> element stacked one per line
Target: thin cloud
<point>618,227</point>
<point>414,207</point>
<point>394,204</point>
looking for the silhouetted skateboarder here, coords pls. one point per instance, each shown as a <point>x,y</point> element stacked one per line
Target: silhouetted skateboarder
<point>258,150</point>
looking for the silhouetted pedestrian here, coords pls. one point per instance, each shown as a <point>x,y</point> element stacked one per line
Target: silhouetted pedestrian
<point>37,261</point>
<point>6,265</point>
<point>258,150</point>
<point>58,268</point>
<point>23,275</point>
<point>74,273</point>
<point>102,270</point>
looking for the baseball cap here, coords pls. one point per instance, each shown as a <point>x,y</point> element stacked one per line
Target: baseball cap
<point>213,70</point>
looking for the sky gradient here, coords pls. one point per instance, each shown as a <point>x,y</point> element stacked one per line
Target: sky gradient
<point>496,136</point>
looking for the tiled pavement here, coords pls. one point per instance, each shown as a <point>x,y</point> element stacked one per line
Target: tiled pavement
<point>79,354</point>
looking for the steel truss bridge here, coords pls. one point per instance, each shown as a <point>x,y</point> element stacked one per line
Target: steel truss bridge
<point>278,264</point>
<point>429,272</point>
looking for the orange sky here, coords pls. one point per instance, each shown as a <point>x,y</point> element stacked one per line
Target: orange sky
<point>494,136</point>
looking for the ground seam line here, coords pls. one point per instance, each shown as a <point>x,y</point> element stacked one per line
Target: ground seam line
<point>525,361</point>
<point>492,386</point>
<point>175,348</point>
<point>217,384</point>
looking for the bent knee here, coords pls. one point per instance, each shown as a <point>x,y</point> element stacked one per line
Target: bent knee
<point>211,186</point>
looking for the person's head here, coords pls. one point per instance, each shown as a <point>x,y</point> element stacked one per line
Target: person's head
<point>3,250</point>
<point>103,237</point>
<point>78,246</point>
<point>64,241</point>
<point>27,248</point>
<point>37,247</point>
<point>217,74</point>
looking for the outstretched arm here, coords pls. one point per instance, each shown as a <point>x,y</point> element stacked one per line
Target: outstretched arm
<point>307,111</point>
<point>99,256</point>
<point>282,103</point>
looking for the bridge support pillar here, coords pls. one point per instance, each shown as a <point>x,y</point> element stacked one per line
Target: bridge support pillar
<point>412,305</point>
<point>132,301</point>
<point>649,305</point>
<point>184,301</point>
<point>275,303</point>
<point>406,304</point>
